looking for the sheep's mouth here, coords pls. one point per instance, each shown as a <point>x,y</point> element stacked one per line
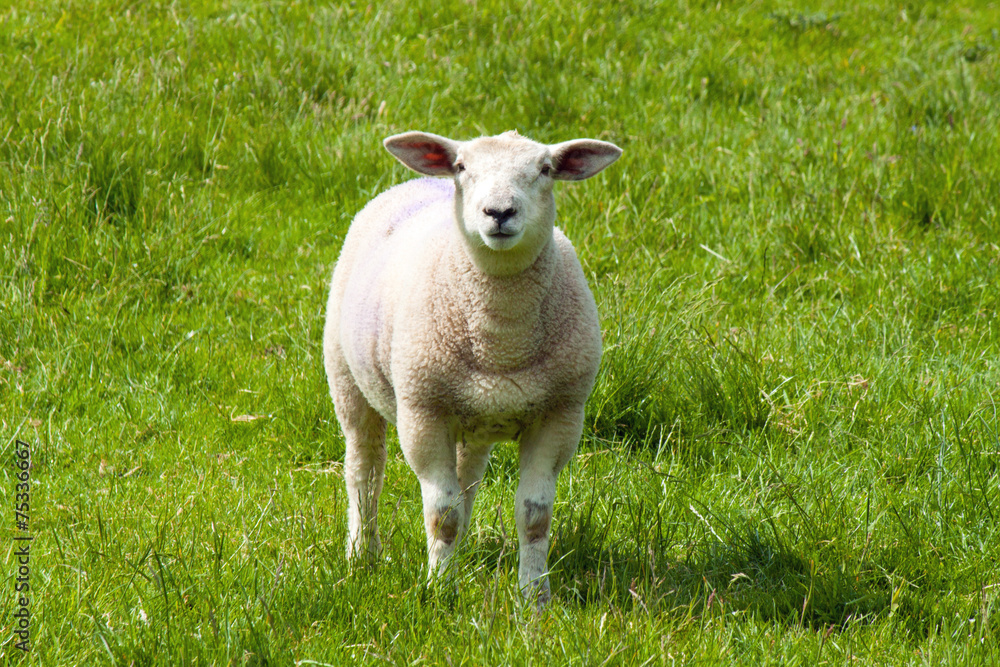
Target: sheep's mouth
<point>502,239</point>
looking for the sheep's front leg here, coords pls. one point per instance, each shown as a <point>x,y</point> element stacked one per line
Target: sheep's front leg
<point>545,450</point>
<point>430,452</point>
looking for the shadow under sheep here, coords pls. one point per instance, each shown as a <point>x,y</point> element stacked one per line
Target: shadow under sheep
<point>752,573</point>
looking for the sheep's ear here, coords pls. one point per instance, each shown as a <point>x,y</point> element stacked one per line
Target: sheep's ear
<point>424,153</point>
<point>582,158</point>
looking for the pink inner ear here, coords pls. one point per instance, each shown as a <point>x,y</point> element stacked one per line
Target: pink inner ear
<point>433,154</point>
<point>572,164</point>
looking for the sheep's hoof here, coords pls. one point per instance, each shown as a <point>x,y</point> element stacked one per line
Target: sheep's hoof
<point>538,592</point>
<point>364,559</point>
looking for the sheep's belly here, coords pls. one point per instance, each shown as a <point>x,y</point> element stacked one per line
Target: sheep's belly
<point>487,430</point>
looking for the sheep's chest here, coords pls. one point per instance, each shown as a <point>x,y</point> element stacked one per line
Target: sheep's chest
<point>492,407</point>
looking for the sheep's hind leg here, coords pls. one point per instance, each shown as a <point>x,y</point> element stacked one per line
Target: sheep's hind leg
<point>472,462</point>
<point>545,450</point>
<point>364,468</point>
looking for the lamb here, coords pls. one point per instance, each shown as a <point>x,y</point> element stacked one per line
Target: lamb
<point>460,313</point>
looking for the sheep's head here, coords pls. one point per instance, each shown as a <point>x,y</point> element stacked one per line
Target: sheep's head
<point>503,187</point>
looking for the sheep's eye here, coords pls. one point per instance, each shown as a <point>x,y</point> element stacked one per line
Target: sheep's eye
<point>459,167</point>
<point>546,170</point>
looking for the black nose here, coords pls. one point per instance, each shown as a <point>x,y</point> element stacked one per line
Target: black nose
<point>500,216</point>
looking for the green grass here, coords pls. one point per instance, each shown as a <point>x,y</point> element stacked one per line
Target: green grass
<point>791,452</point>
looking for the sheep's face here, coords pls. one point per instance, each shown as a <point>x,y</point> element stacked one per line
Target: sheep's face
<point>503,193</point>
<point>503,188</point>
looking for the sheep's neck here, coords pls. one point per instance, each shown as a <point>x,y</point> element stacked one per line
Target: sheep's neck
<point>503,315</point>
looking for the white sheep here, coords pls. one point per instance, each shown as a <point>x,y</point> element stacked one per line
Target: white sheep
<point>460,313</point>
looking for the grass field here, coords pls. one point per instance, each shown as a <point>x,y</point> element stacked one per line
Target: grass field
<point>791,452</point>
